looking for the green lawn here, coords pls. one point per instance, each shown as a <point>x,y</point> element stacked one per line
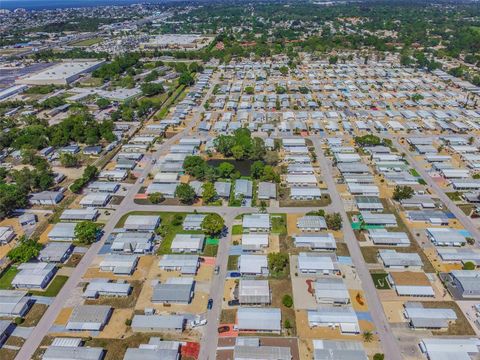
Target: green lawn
<point>279,224</point>
<point>454,196</point>
<point>237,230</point>
<point>414,172</point>
<point>380,281</point>
<point>210,250</point>
<point>54,287</point>
<point>7,277</point>
<point>232,263</point>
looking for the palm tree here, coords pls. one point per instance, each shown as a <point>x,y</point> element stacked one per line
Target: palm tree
<point>367,336</point>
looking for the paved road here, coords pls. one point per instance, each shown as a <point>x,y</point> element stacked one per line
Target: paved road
<point>32,343</point>
<point>209,341</point>
<point>388,342</point>
<point>459,214</point>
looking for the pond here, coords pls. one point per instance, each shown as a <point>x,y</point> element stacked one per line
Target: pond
<point>243,166</point>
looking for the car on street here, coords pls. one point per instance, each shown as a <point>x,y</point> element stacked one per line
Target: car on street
<point>217,270</point>
<point>210,304</point>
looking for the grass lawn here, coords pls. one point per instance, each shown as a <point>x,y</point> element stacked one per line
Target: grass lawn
<point>54,288</point>
<point>414,172</point>
<point>34,315</point>
<point>279,289</point>
<point>279,224</point>
<point>210,250</point>
<point>232,263</point>
<point>237,230</point>
<point>454,196</point>
<point>7,277</point>
<point>380,281</point>
<point>228,316</point>
<point>7,354</point>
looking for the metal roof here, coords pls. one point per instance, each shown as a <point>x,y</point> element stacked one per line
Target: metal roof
<point>72,353</point>
<point>260,319</point>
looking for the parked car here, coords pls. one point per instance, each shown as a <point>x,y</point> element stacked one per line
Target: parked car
<point>223,329</point>
<point>233,302</point>
<point>210,304</point>
<point>217,270</point>
<point>235,274</point>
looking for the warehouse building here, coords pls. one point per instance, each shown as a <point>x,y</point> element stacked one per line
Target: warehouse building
<point>62,73</point>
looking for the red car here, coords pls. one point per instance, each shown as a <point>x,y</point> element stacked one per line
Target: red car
<point>223,329</point>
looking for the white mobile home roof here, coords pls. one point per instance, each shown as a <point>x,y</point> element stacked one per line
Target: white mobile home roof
<point>259,319</point>
<point>142,222</point>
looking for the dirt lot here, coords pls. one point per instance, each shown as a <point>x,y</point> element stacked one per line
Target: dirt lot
<point>280,288</point>
<point>34,315</point>
<point>116,327</point>
<point>461,326</point>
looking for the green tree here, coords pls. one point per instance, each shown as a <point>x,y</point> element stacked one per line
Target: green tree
<point>277,262</point>
<point>238,152</point>
<point>86,232</point>
<point>469,265</point>
<point>367,336</point>
<point>151,89</point>
<point>225,169</point>
<point>249,90</point>
<point>213,224</point>
<point>103,103</point>
<point>156,197</point>
<point>11,197</point>
<point>68,160</point>
<point>186,79</point>
<point>402,192</point>
<point>378,356</point>
<point>25,250</point>
<point>185,193</point>
<point>208,192</point>
<point>332,60</point>
<point>287,300</point>
<point>256,169</point>
<point>334,221</point>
